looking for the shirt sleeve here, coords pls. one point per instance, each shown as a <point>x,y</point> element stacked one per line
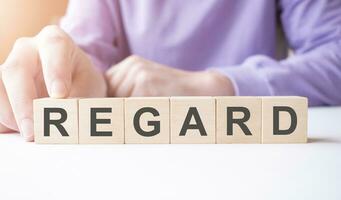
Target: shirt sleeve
<point>90,24</point>
<point>313,31</point>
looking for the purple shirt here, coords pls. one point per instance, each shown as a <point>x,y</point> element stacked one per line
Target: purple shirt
<point>239,38</point>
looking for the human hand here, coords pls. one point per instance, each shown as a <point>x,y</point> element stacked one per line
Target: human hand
<point>136,76</point>
<point>49,64</point>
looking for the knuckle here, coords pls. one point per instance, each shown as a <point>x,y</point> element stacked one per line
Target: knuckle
<point>10,67</point>
<point>53,34</point>
<point>135,58</point>
<point>143,77</point>
<point>22,46</point>
<point>139,68</point>
<point>22,42</point>
<point>51,29</point>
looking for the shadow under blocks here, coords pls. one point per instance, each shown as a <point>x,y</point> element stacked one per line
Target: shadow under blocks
<point>171,120</point>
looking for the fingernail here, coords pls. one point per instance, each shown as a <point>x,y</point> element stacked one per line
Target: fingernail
<point>29,139</point>
<point>58,89</point>
<point>26,129</point>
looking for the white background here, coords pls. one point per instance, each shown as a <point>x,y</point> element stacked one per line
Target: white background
<point>231,171</point>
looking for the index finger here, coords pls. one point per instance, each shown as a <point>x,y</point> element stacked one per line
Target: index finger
<point>57,54</point>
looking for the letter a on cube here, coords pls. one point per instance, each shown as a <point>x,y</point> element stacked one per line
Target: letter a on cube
<point>193,120</point>
<point>55,121</point>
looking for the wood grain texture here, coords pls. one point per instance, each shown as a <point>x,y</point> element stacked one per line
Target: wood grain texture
<point>177,120</point>
<point>299,105</point>
<point>161,119</point>
<point>115,125</point>
<point>251,105</point>
<point>70,125</point>
<point>179,110</point>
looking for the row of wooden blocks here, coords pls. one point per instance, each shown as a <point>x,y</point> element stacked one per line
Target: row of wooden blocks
<point>171,120</point>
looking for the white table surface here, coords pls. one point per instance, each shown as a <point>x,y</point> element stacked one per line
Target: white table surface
<point>282,171</point>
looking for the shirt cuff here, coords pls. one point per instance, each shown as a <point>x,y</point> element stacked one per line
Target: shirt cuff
<point>246,81</point>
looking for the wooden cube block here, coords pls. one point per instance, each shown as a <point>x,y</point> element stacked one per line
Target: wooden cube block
<point>101,120</point>
<point>192,120</point>
<point>55,121</point>
<point>284,119</point>
<point>147,120</point>
<point>238,119</point>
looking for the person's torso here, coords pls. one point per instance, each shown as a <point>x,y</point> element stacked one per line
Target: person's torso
<point>196,34</point>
